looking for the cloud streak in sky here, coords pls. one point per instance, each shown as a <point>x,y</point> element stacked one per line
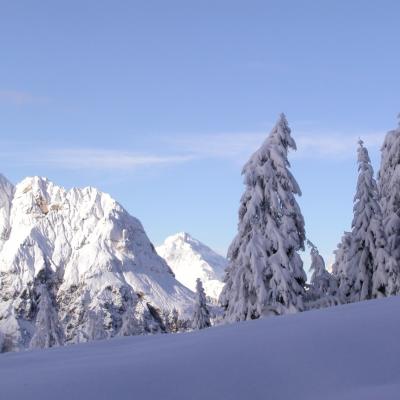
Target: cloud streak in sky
<point>104,159</point>
<point>20,98</point>
<point>338,146</point>
<point>235,147</point>
<point>239,146</point>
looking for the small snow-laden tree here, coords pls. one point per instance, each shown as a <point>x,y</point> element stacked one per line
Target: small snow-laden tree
<point>265,275</point>
<point>93,328</point>
<point>48,332</point>
<point>130,325</point>
<point>340,268</point>
<point>201,316</point>
<point>167,320</point>
<point>386,276</point>
<point>174,321</point>
<point>171,320</point>
<point>364,268</point>
<point>389,189</point>
<point>323,286</point>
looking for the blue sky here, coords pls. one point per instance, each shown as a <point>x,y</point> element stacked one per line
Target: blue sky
<point>160,103</point>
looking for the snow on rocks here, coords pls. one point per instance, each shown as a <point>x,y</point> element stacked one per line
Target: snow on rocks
<point>190,259</point>
<point>75,266</point>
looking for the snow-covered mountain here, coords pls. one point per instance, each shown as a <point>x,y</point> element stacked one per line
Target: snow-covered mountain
<point>190,259</point>
<point>342,353</point>
<point>75,266</point>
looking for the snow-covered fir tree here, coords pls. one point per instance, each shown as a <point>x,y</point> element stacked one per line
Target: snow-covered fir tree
<point>389,189</point>
<point>48,329</point>
<point>94,326</point>
<point>265,275</point>
<point>201,316</point>
<point>363,267</point>
<point>386,278</point>
<point>323,285</point>
<point>171,320</point>
<point>166,320</point>
<point>174,321</point>
<point>48,332</point>
<point>342,254</point>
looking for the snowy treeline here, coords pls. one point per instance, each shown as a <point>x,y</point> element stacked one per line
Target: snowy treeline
<point>364,266</point>
<point>265,275</point>
<point>323,288</point>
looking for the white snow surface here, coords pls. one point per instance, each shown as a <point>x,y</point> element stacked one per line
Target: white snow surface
<point>348,352</point>
<point>75,266</point>
<point>190,259</point>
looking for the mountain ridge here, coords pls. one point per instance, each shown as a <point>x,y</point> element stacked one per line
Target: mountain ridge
<point>75,266</point>
<point>190,259</point>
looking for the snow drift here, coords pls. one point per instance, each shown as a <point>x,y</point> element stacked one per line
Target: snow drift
<point>348,352</point>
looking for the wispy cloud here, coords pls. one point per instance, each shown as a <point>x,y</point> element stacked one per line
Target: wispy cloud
<point>335,145</point>
<point>309,145</point>
<point>20,98</point>
<point>219,145</point>
<point>236,147</point>
<point>106,159</point>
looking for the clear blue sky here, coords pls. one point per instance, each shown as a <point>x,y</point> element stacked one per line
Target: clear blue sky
<point>160,102</point>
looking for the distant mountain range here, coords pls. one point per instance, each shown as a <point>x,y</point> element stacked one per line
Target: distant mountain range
<point>75,266</point>
<point>190,259</point>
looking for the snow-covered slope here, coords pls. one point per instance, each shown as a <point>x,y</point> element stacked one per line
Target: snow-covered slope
<point>344,353</point>
<point>191,259</point>
<point>75,266</point>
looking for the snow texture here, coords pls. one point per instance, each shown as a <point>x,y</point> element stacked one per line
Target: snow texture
<point>363,266</point>
<point>190,259</point>
<point>75,266</point>
<point>321,279</point>
<point>266,275</point>
<point>348,352</point>
<point>389,189</point>
<point>201,316</point>
<point>323,287</point>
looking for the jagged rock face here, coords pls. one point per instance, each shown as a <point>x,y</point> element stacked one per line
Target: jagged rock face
<point>75,266</point>
<point>190,259</point>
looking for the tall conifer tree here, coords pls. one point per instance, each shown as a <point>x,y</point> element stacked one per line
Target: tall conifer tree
<point>265,275</point>
<point>363,266</point>
<point>201,317</point>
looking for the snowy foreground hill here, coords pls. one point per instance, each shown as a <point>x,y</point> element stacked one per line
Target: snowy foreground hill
<point>190,259</point>
<point>75,266</point>
<point>348,352</point>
